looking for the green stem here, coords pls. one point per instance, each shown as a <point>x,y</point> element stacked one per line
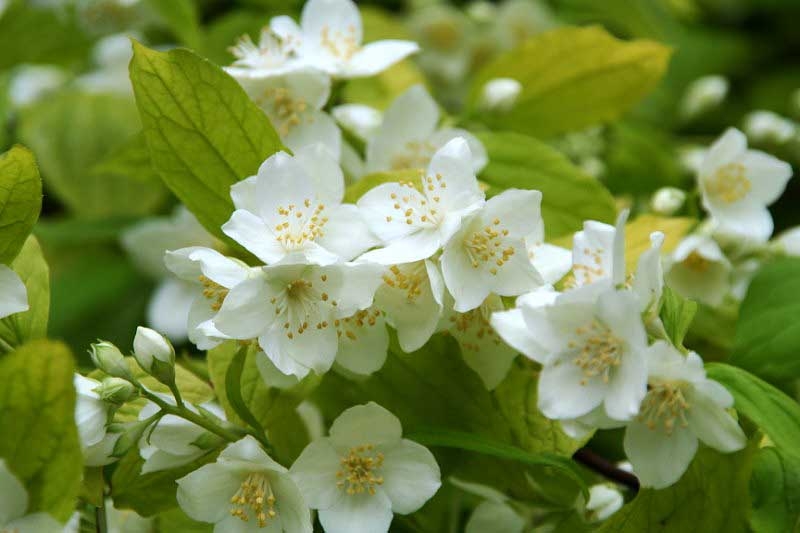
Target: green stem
<point>100,519</point>
<point>176,393</point>
<point>186,414</point>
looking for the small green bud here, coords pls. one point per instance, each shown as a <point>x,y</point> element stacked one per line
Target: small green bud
<point>116,391</point>
<point>109,359</point>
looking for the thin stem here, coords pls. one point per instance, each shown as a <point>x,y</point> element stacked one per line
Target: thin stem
<point>100,519</point>
<point>5,347</point>
<point>606,468</point>
<point>176,393</point>
<point>194,418</point>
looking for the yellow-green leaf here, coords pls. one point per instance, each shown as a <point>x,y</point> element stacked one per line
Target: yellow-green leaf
<point>20,200</point>
<point>31,267</point>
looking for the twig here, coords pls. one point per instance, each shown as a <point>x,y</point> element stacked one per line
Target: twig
<point>606,468</point>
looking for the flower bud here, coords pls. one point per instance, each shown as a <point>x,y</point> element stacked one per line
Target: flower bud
<point>155,354</point>
<point>116,391</point>
<point>766,126</point>
<point>604,500</point>
<point>500,94</point>
<point>704,94</point>
<point>667,200</point>
<point>109,359</point>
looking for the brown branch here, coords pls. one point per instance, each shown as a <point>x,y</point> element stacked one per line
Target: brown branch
<point>606,468</point>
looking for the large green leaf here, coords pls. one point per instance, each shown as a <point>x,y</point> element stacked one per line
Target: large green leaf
<point>767,339</point>
<point>203,131</point>
<point>71,133</point>
<point>775,490</point>
<point>568,195</point>
<point>712,495</point>
<point>20,200</point>
<point>39,439</point>
<point>572,78</point>
<point>31,267</point>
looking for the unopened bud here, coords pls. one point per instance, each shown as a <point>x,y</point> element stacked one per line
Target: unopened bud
<point>704,94</point>
<point>155,354</point>
<point>109,359</point>
<point>604,500</point>
<point>500,94</point>
<point>766,126</point>
<point>116,391</point>
<point>667,200</point>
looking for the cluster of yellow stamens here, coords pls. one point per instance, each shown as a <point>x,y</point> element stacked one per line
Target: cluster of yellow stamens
<point>415,154</point>
<point>413,204</point>
<point>475,322</point>
<point>486,246</point>
<point>254,497</point>
<point>287,111</point>
<point>663,406</point>
<point>696,262</point>
<point>341,45</point>
<point>311,222</point>
<point>729,183</point>
<point>599,351</point>
<point>358,473</point>
<point>297,303</point>
<point>348,326</point>
<point>591,272</point>
<point>410,278</point>
<point>271,50</point>
<point>214,292</point>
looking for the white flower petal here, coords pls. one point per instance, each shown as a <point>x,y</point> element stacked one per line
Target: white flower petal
<point>376,57</point>
<point>314,349</point>
<point>411,476</point>
<point>378,207</point>
<point>658,459</point>
<point>13,295</point>
<point>205,494</point>
<point>768,176</point>
<point>315,128</point>
<point>359,119</point>
<point>729,147</point>
<point>561,394</point>
<point>458,187</point>
<point>627,386</point>
<point>252,232</point>
<point>494,517</point>
<point>168,308</point>
<point>323,169</point>
<point>713,425</point>
<point>415,247</point>
<point>364,342</point>
<point>330,17</point>
<point>479,156</point>
<point>249,451</point>
<point>35,523</point>
<point>290,506</point>
<point>510,325</point>
<point>91,413</point>
<point>245,313</point>
<point>346,233</point>
<point>358,513</point>
<point>14,502</point>
<point>365,424</point>
<point>314,472</point>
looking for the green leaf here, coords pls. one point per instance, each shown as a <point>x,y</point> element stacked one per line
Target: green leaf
<point>233,389</point>
<point>40,441</point>
<point>180,16</point>
<point>131,159</point>
<point>19,328</point>
<point>176,520</point>
<point>572,78</point>
<point>767,339</point>
<point>442,438</point>
<point>711,496</point>
<point>68,162</point>
<point>151,493</point>
<point>677,314</point>
<point>568,195</point>
<point>203,131</point>
<point>20,200</point>
<point>775,490</point>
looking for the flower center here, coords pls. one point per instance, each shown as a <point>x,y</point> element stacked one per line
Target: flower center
<point>476,325</point>
<point>486,246</point>
<point>663,406</point>
<point>729,183</point>
<point>410,279</point>
<point>698,263</point>
<point>413,204</point>
<point>340,45</point>
<point>287,110</point>
<point>214,292</point>
<point>358,471</point>
<point>598,351</point>
<point>350,325</point>
<point>300,225</point>
<point>415,154</point>
<point>255,498</point>
<point>270,52</point>
<point>593,270</point>
<point>299,303</point>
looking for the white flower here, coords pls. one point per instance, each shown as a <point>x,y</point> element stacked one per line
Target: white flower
<point>244,491</point>
<point>481,347</point>
<point>414,225</point>
<point>738,184</point>
<point>766,126</point>
<point>149,345</point>
<point>212,275</point>
<point>488,254</point>
<point>293,311</point>
<point>14,505</point>
<point>360,120</point>
<point>408,136</point>
<point>91,418</point>
<point>681,406</point>
<point>412,296</point>
<point>604,500</point>
<point>174,441</point>
<point>146,243</point>
<point>699,270</point>
<point>787,242</point>
<point>704,94</point>
<point>593,352</point>
<point>364,472</point>
<point>13,294</point>
<point>667,200</point>
<point>330,35</point>
<point>363,342</point>
<point>551,261</point>
<point>293,102</point>
<point>511,326</point>
<point>500,94</point>
<point>274,55</point>
<point>291,211</point>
